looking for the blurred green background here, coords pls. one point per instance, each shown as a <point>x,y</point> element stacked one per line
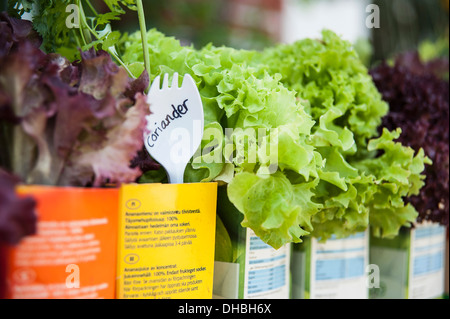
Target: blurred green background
<point>405,24</point>
<point>201,22</point>
<point>409,24</point>
<point>255,24</point>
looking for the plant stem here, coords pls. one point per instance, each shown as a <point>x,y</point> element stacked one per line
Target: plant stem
<point>115,56</point>
<point>143,28</point>
<point>92,8</point>
<point>81,19</point>
<point>85,24</point>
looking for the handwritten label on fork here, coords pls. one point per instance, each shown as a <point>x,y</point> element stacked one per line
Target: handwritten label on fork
<point>175,126</point>
<point>177,113</point>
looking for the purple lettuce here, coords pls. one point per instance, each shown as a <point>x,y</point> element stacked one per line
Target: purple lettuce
<point>17,215</point>
<point>419,104</point>
<point>76,124</point>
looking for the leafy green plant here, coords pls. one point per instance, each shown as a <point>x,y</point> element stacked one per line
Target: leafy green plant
<point>335,174</point>
<point>69,124</point>
<point>53,21</point>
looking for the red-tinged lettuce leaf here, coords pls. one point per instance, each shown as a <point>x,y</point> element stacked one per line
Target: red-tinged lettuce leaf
<point>5,39</point>
<point>145,162</point>
<point>103,162</point>
<point>23,93</point>
<point>14,30</point>
<point>412,61</point>
<point>137,85</point>
<point>100,76</point>
<point>20,77</point>
<point>70,114</point>
<point>17,215</point>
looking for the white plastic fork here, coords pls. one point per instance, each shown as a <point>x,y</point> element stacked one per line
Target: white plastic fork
<point>175,126</point>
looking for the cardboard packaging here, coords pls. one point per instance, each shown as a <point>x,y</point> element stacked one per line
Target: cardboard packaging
<point>412,266</point>
<point>245,266</point>
<point>138,241</point>
<point>166,241</point>
<point>336,269</point>
<point>74,251</point>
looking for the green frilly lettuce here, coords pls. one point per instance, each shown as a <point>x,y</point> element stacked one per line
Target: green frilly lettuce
<point>241,96</point>
<point>366,177</point>
<point>316,103</point>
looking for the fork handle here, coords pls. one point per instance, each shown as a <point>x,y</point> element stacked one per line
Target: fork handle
<point>176,176</point>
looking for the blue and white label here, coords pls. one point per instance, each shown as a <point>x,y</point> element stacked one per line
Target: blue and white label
<point>427,261</point>
<point>338,268</point>
<point>266,270</point>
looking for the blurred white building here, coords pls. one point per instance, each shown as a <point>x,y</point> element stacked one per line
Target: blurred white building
<point>290,20</point>
<point>307,18</point>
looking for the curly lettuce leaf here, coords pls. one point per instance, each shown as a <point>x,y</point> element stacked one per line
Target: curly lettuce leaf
<point>343,191</point>
<point>348,110</point>
<point>108,161</point>
<point>316,104</point>
<point>328,73</point>
<point>235,96</point>
<point>277,211</point>
<point>398,173</point>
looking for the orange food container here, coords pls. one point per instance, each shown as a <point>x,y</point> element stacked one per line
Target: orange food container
<point>73,254</point>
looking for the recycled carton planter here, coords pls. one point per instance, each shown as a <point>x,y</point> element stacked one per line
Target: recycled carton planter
<point>74,251</point>
<point>166,241</point>
<point>335,269</point>
<point>245,266</point>
<point>139,241</point>
<point>412,266</point>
